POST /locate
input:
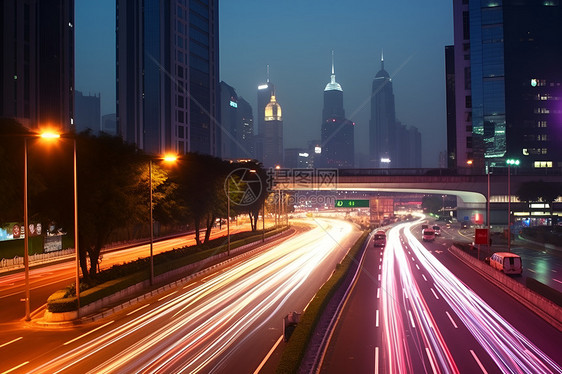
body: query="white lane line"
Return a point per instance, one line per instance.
(413, 259)
(531, 270)
(376, 360)
(380, 266)
(452, 320)
(15, 367)
(424, 278)
(417, 266)
(434, 294)
(379, 276)
(136, 310)
(88, 333)
(478, 362)
(378, 293)
(11, 341)
(554, 279)
(268, 355)
(377, 319)
(412, 319)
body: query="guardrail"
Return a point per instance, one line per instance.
(539, 304)
(7, 264)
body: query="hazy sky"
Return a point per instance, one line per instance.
(296, 38)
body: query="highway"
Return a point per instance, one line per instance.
(416, 308)
(44, 280)
(225, 322)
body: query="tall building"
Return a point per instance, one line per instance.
(408, 142)
(109, 124)
(245, 121)
(87, 112)
(510, 54)
(37, 62)
(382, 125)
(450, 160)
(167, 75)
(337, 133)
(265, 90)
(272, 134)
(237, 125)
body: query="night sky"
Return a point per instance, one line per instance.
(296, 38)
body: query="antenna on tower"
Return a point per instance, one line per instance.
(332, 62)
(267, 73)
(382, 59)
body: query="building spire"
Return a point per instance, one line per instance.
(267, 73)
(382, 59)
(333, 85)
(333, 62)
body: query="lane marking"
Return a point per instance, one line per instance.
(434, 294)
(376, 318)
(376, 360)
(379, 276)
(452, 320)
(88, 333)
(554, 279)
(11, 341)
(412, 319)
(378, 293)
(417, 266)
(267, 355)
(424, 278)
(136, 310)
(15, 367)
(531, 270)
(478, 362)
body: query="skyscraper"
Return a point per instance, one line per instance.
(337, 133)
(272, 135)
(265, 90)
(382, 126)
(87, 112)
(167, 75)
(513, 82)
(236, 124)
(37, 62)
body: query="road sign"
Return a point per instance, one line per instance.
(481, 236)
(352, 204)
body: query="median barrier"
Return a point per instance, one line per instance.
(539, 304)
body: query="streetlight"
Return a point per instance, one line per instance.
(509, 163)
(166, 158)
(26, 219)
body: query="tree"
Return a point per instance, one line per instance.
(200, 180)
(109, 173)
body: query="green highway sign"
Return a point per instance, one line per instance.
(352, 203)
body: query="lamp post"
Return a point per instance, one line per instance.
(76, 235)
(26, 237)
(167, 158)
(509, 162)
(228, 217)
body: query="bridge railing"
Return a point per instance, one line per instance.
(449, 172)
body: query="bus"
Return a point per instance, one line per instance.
(507, 262)
(379, 239)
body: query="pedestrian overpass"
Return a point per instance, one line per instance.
(471, 191)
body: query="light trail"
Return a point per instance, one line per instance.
(509, 349)
(200, 328)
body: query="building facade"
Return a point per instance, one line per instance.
(37, 63)
(167, 75)
(87, 109)
(408, 143)
(337, 133)
(272, 134)
(236, 125)
(507, 54)
(265, 90)
(382, 125)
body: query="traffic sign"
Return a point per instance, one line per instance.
(481, 236)
(352, 204)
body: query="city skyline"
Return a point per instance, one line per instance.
(298, 53)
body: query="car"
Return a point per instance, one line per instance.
(506, 262)
(428, 235)
(437, 230)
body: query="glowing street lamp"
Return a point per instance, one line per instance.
(166, 158)
(45, 135)
(509, 163)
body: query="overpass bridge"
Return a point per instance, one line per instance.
(470, 190)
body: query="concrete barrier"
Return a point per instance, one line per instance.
(546, 309)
